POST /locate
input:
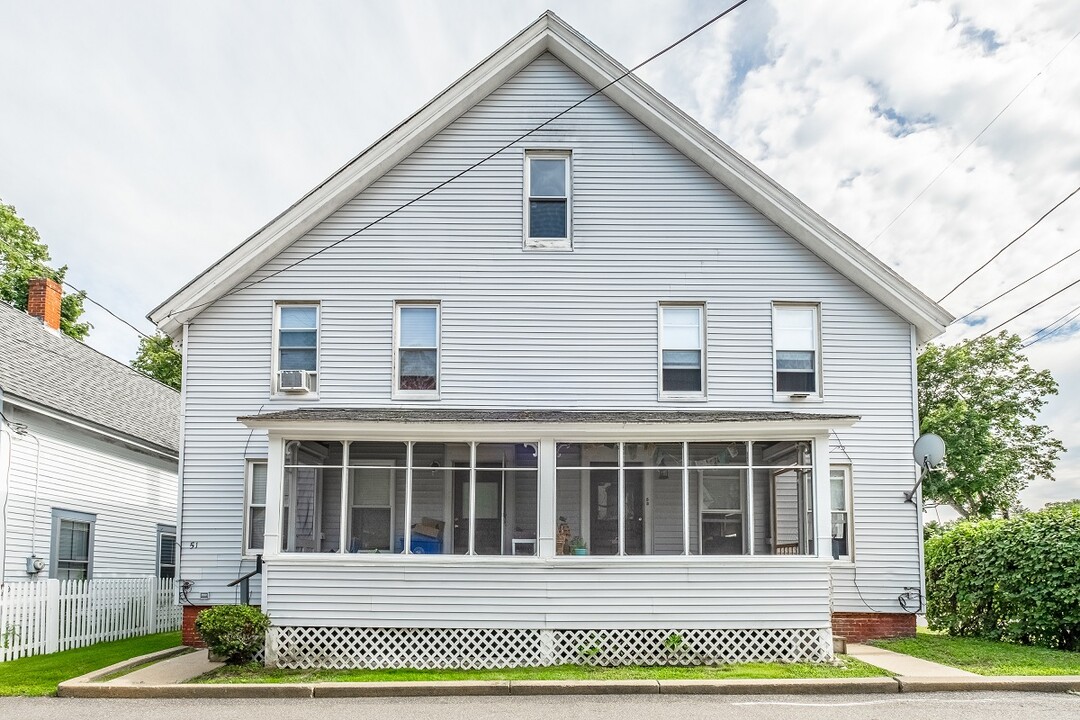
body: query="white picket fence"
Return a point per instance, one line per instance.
(47, 616)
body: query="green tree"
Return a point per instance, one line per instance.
(982, 397)
(158, 358)
(23, 257)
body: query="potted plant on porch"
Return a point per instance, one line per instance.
(578, 546)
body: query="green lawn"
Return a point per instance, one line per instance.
(849, 667)
(40, 674)
(986, 657)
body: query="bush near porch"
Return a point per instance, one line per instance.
(1015, 580)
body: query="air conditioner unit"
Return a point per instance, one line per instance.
(294, 381)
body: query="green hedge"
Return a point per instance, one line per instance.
(1016, 580)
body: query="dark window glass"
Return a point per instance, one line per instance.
(547, 218)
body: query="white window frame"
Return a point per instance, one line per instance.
(398, 393)
(275, 388)
(744, 491)
(351, 505)
(703, 334)
(249, 476)
(164, 531)
(849, 503)
(817, 394)
(59, 515)
(565, 243)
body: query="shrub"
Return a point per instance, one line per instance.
(235, 632)
(1016, 580)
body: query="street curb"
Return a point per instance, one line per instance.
(445, 688)
(95, 675)
(1014, 683)
(584, 687)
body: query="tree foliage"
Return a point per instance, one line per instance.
(23, 256)
(1014, 579)
(982, 397)
(158, 358)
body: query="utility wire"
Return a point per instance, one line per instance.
(1010, 243)
(1022, 282)
(1027, 309)
(477, 164)
(973, 140)
(1040, 335)
(83, 293)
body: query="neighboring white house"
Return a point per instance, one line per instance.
(88, 455)
(615, 333)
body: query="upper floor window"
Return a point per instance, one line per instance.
(547, 191)
(682, 341)
(795, 349)
(416, 350)
(297, 352)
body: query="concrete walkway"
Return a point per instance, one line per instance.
(172, 671)
(904, 665)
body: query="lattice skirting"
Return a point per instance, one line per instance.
(440, 648)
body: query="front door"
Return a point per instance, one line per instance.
(488, 510)
(604, 510)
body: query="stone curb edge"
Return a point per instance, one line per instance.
(84, 687)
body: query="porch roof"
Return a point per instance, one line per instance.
(585, 417)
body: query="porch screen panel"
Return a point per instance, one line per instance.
(655, 472)
(505, 499)
(375, 516)
(440, 475)
(311, 496)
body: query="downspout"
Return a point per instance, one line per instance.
(5, 475)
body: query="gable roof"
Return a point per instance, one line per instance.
(551, 34)
(54, 372)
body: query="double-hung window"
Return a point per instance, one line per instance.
(166, 540)
(72, 545)
(547, 190)
(255, 518)
(416, 351)
(682, 356)
(840, 507)
(795, 349)
(297, 348)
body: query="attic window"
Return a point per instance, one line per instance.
(547, 200)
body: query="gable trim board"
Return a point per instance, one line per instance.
(550, 34)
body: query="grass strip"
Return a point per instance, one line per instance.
(985, 657)
(254, 673)
(40, 674)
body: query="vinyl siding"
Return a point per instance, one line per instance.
(562, 330)
(130, 493)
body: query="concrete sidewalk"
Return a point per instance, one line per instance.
(171, 671)
(905, 665)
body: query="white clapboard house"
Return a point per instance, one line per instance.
(611, 396)
(88, 456)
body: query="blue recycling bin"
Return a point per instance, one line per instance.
(421, 545)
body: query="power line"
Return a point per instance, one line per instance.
(475, 165)
(1027, 309)
(1010, 243)
(973, 140)
(1022, 282)
(82, 293)
(1039, 335)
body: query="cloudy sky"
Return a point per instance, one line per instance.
(145, 139)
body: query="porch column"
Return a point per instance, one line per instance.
(822, 504)
(545, 491)
(275, 480)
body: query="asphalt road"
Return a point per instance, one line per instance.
(939, 706)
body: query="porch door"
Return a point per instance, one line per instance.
(489, 492)
(604, 509)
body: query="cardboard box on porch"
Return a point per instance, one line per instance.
(429, 527)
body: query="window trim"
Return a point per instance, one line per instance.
(703, 335)
(818, 394)
(276, 393)
(163, 531)
(397, 393)
(531, 243)
(849, 501)
(59, 515)
(249, 477)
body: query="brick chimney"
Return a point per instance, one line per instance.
(43, 301)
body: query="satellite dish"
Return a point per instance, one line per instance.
(929, 450)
